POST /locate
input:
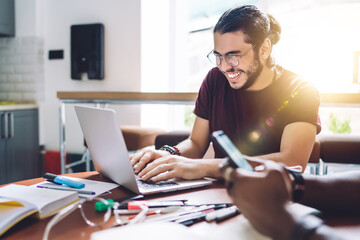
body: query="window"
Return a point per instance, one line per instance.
(203, 15)
(320, 41)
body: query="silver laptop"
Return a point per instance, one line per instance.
(110, 155)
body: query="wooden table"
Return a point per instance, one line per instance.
(74, 227)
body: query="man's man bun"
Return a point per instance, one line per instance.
(275, 30)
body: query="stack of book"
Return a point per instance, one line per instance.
(18, 202)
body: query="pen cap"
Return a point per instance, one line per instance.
(49, 176)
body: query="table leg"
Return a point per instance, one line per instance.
(62, 136)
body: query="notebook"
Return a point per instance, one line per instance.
(110, 155)
(18, 202)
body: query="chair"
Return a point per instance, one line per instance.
(139, 137)
(340, 148)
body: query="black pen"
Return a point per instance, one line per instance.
(69, 189)
(195, 220)
(192, 218)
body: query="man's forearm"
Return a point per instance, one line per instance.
(333, 193)
(188, 148)
(210, 167)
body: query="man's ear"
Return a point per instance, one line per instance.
(265, 49)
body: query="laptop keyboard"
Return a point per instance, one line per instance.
(151, 184)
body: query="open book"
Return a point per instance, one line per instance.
(18, 202)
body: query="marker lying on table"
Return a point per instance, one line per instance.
(197, 216)
(190, 219)
(190, 216)
(62, 180)
(222, 214)
(69, 189)
(157, 211)
(132, 205)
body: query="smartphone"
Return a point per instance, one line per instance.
(235, 157)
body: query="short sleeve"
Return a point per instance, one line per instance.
(203, 102)
(303, 105)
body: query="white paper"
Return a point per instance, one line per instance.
(90, 185)
(141, 231)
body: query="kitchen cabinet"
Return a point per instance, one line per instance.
(19, 145)
(7, 18)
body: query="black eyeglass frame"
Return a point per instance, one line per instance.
(228, 57)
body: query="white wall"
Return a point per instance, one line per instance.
(21, 57)
(122, 59)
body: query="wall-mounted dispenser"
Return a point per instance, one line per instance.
(87, 51)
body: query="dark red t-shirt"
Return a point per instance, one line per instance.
(255, 120)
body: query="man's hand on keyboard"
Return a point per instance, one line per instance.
(175, 167)
(144, 156)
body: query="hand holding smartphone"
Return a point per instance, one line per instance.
(235, 158)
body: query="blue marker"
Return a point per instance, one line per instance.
(61, 180)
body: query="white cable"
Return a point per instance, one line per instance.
(58, 217)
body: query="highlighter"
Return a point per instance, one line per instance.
(61, 180)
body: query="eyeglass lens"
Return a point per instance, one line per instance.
(93, 223)
(112, 208)
(232, 59)
(216, 59)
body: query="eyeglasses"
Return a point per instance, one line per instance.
(91, 218)
(232, 59)
(115, 206)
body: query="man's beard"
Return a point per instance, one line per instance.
(253, 72)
